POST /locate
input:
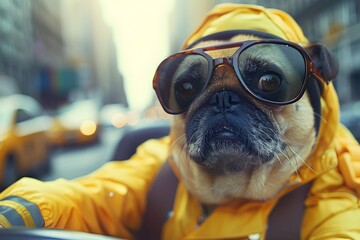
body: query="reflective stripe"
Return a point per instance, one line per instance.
(4, 222)
(29, 211)
(22, 211)
(13, 217)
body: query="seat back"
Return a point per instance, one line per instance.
(135, 136)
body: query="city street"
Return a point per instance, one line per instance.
(72, 162)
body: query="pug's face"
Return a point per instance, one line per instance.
(230, 145)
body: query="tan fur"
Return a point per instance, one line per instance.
(294, 122)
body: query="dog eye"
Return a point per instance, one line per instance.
(269, 82)
(186, 90)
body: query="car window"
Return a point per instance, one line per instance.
(23, 115)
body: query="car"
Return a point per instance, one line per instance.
(24, 148)
(76, 123)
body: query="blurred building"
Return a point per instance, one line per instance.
(31, 45)
(57, 50)
(15, 45)
(47, 46)
(90, 48)
(47, 40)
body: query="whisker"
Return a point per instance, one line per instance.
(301, 159)
(297, 155)
(279, 159)
(292, 164)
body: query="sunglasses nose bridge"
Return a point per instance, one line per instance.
(222, 61)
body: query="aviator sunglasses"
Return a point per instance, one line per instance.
(272, 71)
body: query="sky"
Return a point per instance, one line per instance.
(142, 38)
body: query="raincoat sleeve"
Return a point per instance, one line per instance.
(109, 201)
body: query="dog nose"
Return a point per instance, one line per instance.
(224, 100)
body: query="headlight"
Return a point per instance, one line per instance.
(88, 127)
(119, 120)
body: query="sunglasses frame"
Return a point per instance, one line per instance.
(233, 61)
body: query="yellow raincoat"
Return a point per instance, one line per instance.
(111, 200)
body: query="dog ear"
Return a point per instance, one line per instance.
(324, 64)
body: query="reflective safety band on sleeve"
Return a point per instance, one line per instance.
(20, 212)
(11, 216)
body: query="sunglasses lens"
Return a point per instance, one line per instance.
(180, 79)
(273, 72)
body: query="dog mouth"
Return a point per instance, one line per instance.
(231, 141)
(227, 136)
(224, 131)
(226, 149)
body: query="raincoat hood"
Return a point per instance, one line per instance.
(242, 17)
(227, 17)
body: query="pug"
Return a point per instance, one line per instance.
(244, 119)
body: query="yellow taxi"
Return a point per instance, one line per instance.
(75, 123)
(24, 147)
